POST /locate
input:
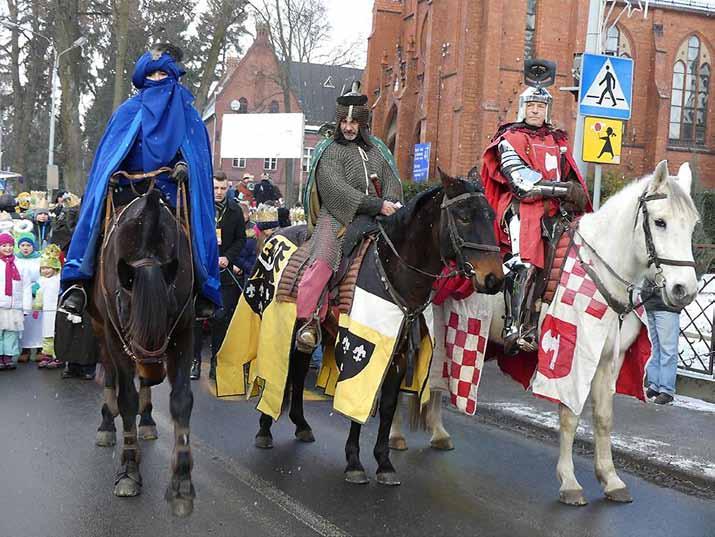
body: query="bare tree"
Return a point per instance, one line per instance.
(298, 30)
(221, 15)
(121, 32)
(67, 32)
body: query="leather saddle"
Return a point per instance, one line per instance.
(341, 288)
(557, 243)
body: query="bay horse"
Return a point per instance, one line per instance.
(658, 206)
(452, 222)
(142, 312)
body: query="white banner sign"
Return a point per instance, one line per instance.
(262, 136)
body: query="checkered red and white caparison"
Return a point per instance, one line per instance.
(575, 281)
(465, 344)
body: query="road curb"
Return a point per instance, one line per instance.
(657, 471)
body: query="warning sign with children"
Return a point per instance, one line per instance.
(602, 140)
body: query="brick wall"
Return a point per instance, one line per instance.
(457, 75)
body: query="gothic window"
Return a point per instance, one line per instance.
(617, 43)
(689, 95)
(244, 105)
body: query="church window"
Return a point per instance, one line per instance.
(689, 94)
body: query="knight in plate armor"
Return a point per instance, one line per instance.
(352, 176)
(529, 174)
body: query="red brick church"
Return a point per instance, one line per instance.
(450, 71)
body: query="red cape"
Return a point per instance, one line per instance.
(500, 196)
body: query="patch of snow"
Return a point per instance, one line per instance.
(691, 403)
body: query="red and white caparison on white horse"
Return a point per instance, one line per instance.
(618, 233)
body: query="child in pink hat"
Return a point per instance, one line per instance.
(14, 300)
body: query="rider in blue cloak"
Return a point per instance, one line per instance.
(156, 128)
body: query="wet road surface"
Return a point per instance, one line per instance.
(55, 482)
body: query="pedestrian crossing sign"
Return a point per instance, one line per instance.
(602, 140)
(606, 86)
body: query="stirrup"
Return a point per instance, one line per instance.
(73, 312)
(308, 336)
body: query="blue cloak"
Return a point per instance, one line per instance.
(162, 116)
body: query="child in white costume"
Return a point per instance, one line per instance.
(15, 299)
(27, 259)
(46, 301)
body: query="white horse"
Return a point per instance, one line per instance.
(618, 234)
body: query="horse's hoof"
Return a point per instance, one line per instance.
(148, 432)
(619, 495)
(264, 442)
(388, 478)
(356, 477)
(398, 443)
(572, 497)
(181, 507)
(106, 438)
(127, 487)
(305, 435)
(442, 444)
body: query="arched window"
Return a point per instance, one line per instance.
(244, 105)
(273, 107)
(617, 44)
(689, 95)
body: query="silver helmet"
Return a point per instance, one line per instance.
(534, 95)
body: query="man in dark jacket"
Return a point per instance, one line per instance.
(231, 236)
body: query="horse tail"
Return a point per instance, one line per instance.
(417, 414)
(148, 318)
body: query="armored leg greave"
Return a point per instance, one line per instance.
(518, 334)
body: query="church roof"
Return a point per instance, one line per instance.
(317, 86)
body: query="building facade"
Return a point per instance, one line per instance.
(449, 72)
(251, 86)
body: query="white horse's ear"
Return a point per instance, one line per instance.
(685, 177)
(660, 176)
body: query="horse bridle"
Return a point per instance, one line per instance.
(653, 259)
(457, 242)
(113, 216)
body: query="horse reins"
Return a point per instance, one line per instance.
(111, 221)
(409, 329)
(456, 241)
(653, 259)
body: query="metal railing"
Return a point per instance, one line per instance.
(696, 345)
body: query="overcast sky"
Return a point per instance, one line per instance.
(350, 18)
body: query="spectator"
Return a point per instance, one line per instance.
(27, 259)
(249, 252)
(266, 191)
(231, 236)
(46, 302)
(14, 301)
(43, 227)
(664, 330)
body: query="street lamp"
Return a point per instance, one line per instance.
(52, 172)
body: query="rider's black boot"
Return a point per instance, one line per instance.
(74, 300)
(517, 335)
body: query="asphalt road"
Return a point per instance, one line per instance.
(54, 482)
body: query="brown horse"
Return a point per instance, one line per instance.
(142, 311)
(449, 223)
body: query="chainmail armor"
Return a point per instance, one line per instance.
(342, 188)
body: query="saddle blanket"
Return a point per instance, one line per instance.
(461, 333)
(577, 325)
(260, 336)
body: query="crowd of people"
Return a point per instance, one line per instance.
(33, 234)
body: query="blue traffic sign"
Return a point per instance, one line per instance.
(606, 86)
(420, 168)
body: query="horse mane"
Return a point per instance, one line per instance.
(403, 217)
